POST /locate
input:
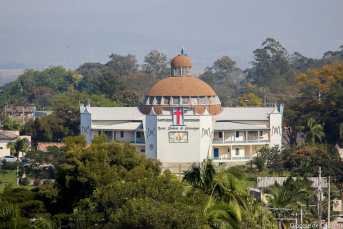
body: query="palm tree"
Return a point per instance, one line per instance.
(224, 185)
(291, 194)
(311, 131)
(221, 215)
(20, 146)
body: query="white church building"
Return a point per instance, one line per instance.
(181, 120)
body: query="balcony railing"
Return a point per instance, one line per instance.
(231, 158)
(137, 142)
(244, 141)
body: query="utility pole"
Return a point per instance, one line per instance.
(301, 212)
(320, 199)
(262, 209)
(23, 116)
(329, 204)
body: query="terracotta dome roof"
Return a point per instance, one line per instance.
(181, 86)
(181, 61)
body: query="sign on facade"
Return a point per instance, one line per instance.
(263, 182)
(337, 205)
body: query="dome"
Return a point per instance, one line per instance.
(188, 91)
(181, 86)
(181, 89)
(181, 61)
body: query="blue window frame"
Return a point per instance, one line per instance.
(261, 133)
(220, 134)
(138, 134)
(121, 134)
(237, 134)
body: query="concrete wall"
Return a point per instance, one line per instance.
(151, 136)
(275, 129)
(86, 125)
(4, 151)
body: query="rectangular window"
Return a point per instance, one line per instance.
(237, 151)
(185, 100)
(138, 134)
(99, 132)
(176, 100)
(237, 134)
(142, 150)
(121, 134)
(166, 100)
(158, 100)
(194, 100)
(228, 150)
(220, 134)
(261, 133)
(151, 100)
(1, 147)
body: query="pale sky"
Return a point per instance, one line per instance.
(72, 32)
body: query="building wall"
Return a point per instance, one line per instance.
(151, 136)
(275, 129)
(86, 125)
(4, 151)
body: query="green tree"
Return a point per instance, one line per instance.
(90, 168)
(156, 64)
(250, 99)
(141, 83)
(129, 98)
(261, 158)
(123, 65)
(312, 131)
(156, 202)
(20, 146)
(108, 83)
(272, 66)
(275, 161)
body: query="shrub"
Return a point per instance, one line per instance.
(47, 182)
(36, 182)
(24, 181)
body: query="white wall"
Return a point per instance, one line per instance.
(86, 125)
(275, 129)
(151, 136)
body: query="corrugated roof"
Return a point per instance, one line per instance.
(237, 126)
(116, 113)
(121, 126)
(8, 135)
(244, 113)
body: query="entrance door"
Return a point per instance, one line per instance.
(215, 153)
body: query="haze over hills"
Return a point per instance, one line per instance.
(38, 33)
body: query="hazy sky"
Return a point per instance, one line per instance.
(71, 32)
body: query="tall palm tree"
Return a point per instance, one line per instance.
(312, 131)
(20, 146)
(225, 188)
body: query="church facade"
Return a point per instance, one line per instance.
(181, 120)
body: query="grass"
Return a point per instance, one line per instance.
(9, 178)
